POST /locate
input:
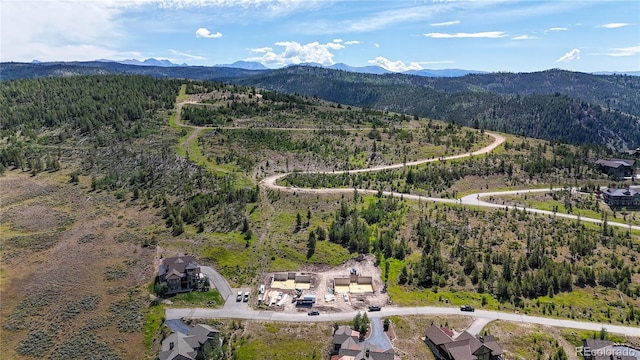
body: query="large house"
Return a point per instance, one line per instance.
(463, 347)
(633, 152)
(596, 349)
(346, 346)
(618, 168)
(179, 346)
(619, 198)
(180, 273)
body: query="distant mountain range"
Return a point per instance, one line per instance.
(376, 70)
(254, 65)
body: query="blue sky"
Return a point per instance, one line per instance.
(514, 36)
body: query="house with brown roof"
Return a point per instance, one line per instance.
(180, 273)
(346, 346)
(179, 346)
(617, 168)
(463, 347)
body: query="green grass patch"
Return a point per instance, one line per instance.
(575, 336)
(235, 261)
(210, 298)
(281, 341)
(330, 253)
(182, 94)
(154, 319)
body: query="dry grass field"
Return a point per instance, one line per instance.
(73, 270)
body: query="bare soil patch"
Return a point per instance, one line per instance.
(322, 281)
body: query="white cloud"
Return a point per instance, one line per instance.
(570, 56)
(59, 30)
(262, 49)
(352, 42)
(626, 51)
(383, 19)
(376, 45)
(86, 30)
(486, 34)
(558, 29)
(187, 55)
(296, 53)
(446, 23)
(395, 66)
(205, 33)
(524, 37)
(614, 25)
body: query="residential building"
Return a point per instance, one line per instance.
(346, 346)
(463, 347)
(180, 273)
(596, 349)
(179, 346)
(619, 198)
(618, 168)
(633, 152)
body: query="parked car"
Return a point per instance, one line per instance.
(374, 308)
(313, 313)
(246, 296)
(467, 308)
(239, 297)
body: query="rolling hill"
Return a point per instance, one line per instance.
(551, 105)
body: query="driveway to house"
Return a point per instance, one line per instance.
(178, 326)
(217, 281)
(378, 337)
(249, 314)
(477, 325)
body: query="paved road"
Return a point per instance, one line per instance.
(217, 281)
(249, 314)
(476, 199)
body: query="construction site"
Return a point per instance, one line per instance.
(353, 285)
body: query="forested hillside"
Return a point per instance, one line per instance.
(545, 116)
(551, 105)
(100, 169)
(14, 71)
